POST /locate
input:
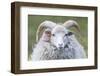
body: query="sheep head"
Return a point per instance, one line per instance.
(57, 34)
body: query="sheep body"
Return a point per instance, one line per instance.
(47, 47)
(45, 51)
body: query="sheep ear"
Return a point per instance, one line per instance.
(71, 23)
(44, 25)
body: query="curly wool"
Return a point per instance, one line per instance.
(46, 51)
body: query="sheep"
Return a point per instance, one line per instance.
(57, 42)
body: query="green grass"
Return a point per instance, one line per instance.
(35, 20)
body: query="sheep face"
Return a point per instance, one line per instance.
(60, 37)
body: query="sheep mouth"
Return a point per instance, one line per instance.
(60, 48)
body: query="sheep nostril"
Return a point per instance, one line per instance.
(60, 45)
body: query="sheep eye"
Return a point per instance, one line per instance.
(70, 33)
(47, 32)
(53, 34)
(66, 34)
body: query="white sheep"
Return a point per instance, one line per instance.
(57, 42)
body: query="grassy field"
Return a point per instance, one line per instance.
(35, 20)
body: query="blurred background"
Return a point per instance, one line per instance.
(35, 20)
